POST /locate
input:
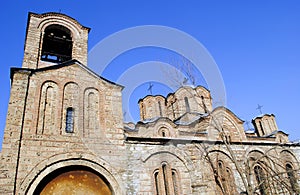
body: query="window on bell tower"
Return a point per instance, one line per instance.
(57, 44)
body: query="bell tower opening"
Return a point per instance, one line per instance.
(57, 44)
(54, 38)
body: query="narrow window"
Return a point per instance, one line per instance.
(164, 132)
(173, 111)
(165, 176)
(203, 104)
(222, 177)
(47, 119)
(230, 181)
(156, 177)
(225, 180)
(187, 105)
(261, 127)
(159, 107)
(142, 110)
(91, 110)
(227, 138)
(260, 179)
(166, 181)
(292, 178)
(174, 179)
(70, 120)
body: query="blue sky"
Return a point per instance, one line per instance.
(256, 45)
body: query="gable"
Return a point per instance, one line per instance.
(228, 123)
(71, 70)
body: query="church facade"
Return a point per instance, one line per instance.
(65, 132)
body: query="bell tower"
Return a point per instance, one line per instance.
(54, 38)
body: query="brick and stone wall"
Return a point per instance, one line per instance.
(182, 146)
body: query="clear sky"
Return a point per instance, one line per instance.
(256, 45)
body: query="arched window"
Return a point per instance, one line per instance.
(187, 105)
(70, 120)
(48, 108)
(292, 179)
(225, 179)
(164, 132)
(175, 182)
(91, 113)
(203, 104)
(166, 181)
(71, 106)
(47, 118)
(222, 177)
(159, 107)
(230, 181)
(165, 178)
(57, 44)
(91, 110)
(157, 184)
(260, 179)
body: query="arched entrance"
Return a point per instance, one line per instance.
(74, 180)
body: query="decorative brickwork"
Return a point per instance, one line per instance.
(64, 121)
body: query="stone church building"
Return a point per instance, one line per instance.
(65, 133)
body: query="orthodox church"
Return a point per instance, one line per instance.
(65, 132)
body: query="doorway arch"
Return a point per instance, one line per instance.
(98, 166)
(74, 180)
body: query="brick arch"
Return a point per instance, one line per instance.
(289, 153)
(288, 156)
(262, 169)
(176, 162)
(221, 151)
(48, 108)
(225, 178)
(265, 157)
(223, 155)
(255, 153)
(91, 113)
(290, 166)
(71, 99)
(180, 155)
(74, 178)
(226, 118)
(252, 150)
(58, 15)
(66, 22)
(168, 127)
(47, 166)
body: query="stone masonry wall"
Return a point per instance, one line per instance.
(12, 133)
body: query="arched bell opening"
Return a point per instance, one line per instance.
(57, 44)
(74, 180)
